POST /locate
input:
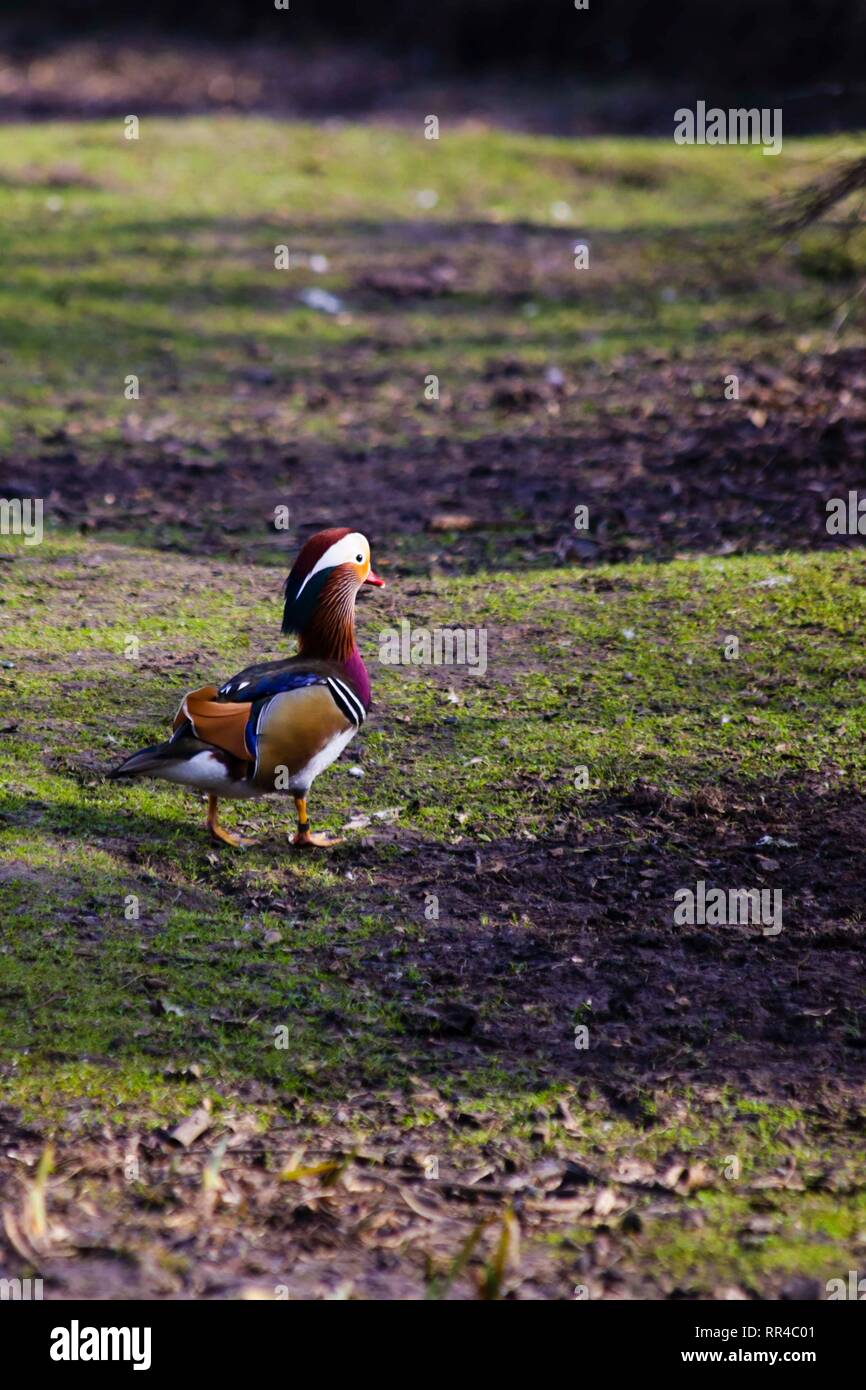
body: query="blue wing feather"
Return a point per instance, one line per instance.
(240, 688)
(259, 688)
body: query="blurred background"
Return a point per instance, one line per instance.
(616, 65)
(410, 257)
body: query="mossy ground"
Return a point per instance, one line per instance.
(710, 1137)
(620, 670)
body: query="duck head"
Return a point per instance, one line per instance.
(321, 592)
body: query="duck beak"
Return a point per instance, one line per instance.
(373, 578)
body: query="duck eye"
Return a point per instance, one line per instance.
(360, 559)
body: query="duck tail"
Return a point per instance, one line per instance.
(145, 760)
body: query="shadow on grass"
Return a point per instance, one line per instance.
(663, 465)
(534, 942)
(713, 486)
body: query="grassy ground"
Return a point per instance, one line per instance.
(156, 257)
(379, 1043)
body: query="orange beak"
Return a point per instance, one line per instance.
(373, 578)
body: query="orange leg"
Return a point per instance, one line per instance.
(303, 837)
(224, 837)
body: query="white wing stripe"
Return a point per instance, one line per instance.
(347, 700)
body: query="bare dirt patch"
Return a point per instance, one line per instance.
(658, 478)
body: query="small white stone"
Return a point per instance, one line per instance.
(321, 300)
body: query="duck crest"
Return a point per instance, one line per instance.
(320, 601)
(309, 586)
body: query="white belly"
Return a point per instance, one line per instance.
(207, 773)
(303, 780)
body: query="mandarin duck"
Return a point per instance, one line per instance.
(275, 726)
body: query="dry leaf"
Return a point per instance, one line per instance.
(192, 1128)
(451, 521)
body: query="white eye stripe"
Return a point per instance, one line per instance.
(346, 551)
